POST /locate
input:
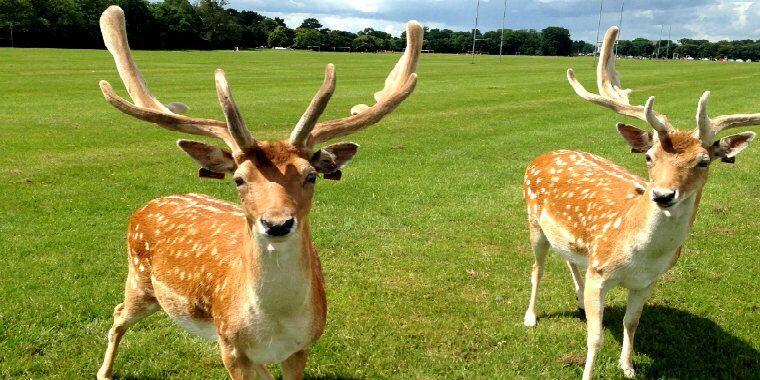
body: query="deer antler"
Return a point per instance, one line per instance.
(398, 86)
(302, 130)
(146, 107)
(708, 128)
(612, 95)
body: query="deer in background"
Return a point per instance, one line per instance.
(623, 229)
(246, 275)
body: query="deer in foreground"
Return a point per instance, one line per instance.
(246, 275)
(623, 229)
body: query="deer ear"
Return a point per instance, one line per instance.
(728, 147)
(214, 161)
(640, 141)
(330, 159)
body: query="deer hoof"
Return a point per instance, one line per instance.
(530, 319)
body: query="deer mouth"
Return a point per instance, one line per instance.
(666, 204)
(279, 231)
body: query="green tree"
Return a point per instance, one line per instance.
(642, 47)
(398, 44)
(281, 36)
(461, 42)
(310, 23)
(556, 41)
(307, 37)
(181, 24)
(583, 47)
(381, 39)
(339, 39)
(58, 23)
(366, 43)
(142, 25)
(19, 12)
(531, 42)
(218, 28)
(439, 40)
(270, 24)
(252, 31)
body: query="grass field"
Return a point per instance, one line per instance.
(424, 243)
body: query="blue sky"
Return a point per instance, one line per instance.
(704, 19)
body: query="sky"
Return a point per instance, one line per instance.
(713, 20)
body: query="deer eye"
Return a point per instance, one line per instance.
(703, 163)
(648, 158)
(311, 177)
(239, 181)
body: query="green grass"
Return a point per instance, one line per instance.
(424, 243)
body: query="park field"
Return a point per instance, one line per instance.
(424, 242)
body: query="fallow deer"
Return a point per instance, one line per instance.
(623, 229)
(246, 275)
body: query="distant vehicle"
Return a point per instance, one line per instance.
(739, 60)
(689, 58)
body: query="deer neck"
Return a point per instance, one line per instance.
(279, 271)
(661, 230)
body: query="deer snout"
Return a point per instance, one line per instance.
(277, 226)
(664, 197)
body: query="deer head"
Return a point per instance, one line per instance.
(677, 161)
(275, 180)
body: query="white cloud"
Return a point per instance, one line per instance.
(741, 8)
(644, 14)
(354, 24)
(706, 19)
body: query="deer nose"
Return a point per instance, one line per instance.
(278, 228)
(664, 197)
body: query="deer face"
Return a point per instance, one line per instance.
(677, 168)
(275, 181)
(678, 162)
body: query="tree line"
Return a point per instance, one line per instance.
(697, 49)
(210, 24)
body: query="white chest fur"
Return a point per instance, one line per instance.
(279, 304)
(653, 249)
(278, 338)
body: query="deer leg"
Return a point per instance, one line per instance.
(293, 367)
(578, 284)
(239, 365)
(540, 248)
(636, 300)
(594, 293)
(263, 372)
(137, 305)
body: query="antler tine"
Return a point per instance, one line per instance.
(607, 78)
(113, 28)
(398, 86)
(651, 118)
(611, 94)
(146, 107)
(235, 122)
(721, 123)
(302, 130)
(704, 129)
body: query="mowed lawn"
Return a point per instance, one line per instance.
(424, 242)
